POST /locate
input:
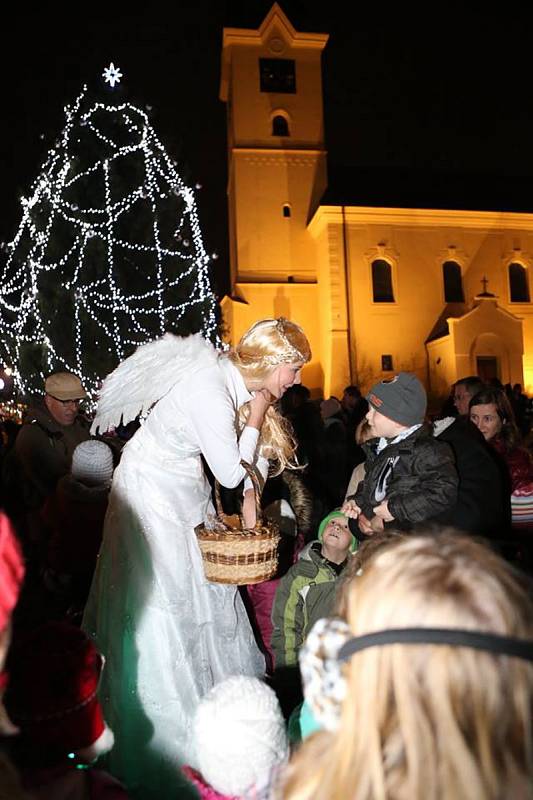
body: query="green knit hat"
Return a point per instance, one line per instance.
(324, 523)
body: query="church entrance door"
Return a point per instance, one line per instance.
(487, 367)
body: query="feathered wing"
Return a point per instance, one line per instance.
(146, 376)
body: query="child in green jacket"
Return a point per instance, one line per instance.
(306, 592)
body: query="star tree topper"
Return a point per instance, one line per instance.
(112, 75)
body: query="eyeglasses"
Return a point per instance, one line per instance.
(75, 403)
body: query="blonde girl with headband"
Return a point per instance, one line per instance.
(167, 634)
(425, 690)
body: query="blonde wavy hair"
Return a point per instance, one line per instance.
(428, 722)
(264, 347)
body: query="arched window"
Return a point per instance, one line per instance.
(280, 126)
(518, 283)
(382, 281)
(286, 210)
(453, 283)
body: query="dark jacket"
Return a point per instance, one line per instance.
(42, 454)
(518, 462)
(419, 476)
(483, 505)
(74, 515)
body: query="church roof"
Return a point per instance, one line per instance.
(395, 187)
(441, 327)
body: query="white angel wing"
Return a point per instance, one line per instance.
(146, 376)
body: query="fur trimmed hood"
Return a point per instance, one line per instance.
(300, 499)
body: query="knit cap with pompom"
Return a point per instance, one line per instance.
(92, 463)
(239, 735)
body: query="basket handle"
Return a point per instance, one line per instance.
(257, 495)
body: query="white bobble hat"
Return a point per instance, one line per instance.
(92, 463)
(239, 734)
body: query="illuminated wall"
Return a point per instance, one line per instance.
(416, 243)
(298, 302)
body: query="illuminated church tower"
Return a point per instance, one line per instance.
(272, 85)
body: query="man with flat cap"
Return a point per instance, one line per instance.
(50, 432)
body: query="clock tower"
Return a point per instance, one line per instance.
(272, 86)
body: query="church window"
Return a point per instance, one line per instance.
(277, 75)
(518, 283)
(280, 126)
(382, 281)
(453, 282)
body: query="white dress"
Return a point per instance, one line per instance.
(166, 633)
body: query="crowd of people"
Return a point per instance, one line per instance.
(391, 656)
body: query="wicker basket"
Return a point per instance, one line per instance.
(238, 555)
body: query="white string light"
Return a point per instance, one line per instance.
(60, 229)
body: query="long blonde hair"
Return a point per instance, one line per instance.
(428, 722)
(265, 346)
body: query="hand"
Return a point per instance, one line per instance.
(376, 523)
(351, 509)
(365, 526)
(258, 406)
(248, 509)
(382, 511)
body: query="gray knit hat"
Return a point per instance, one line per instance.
(401, 398)
(92, 463)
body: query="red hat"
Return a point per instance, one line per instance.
(54, 675)
(11, 570)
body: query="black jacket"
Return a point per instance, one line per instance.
(419, 476)
(41, 455)
(483, 503)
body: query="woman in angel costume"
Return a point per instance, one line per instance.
(167, 634)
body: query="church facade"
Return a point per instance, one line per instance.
(442, 293)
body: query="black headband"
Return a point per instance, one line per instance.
(491, 642)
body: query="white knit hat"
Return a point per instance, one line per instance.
(239, 735)
(92, 463)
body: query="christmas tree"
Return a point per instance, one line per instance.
(108, 254)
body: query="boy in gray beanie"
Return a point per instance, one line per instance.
(410, 477)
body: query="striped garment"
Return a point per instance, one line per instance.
(522, 508)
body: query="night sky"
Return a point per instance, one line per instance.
(440, 103)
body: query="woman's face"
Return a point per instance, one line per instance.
(282, 378)
(485, 417)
